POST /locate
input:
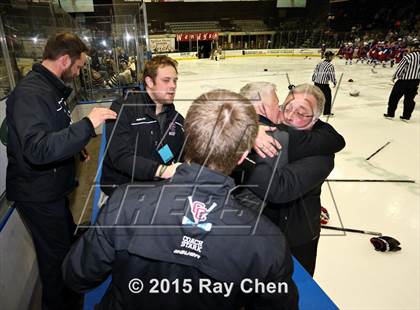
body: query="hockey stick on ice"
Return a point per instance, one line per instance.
(365, 232)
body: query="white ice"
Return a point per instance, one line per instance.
(348, 268)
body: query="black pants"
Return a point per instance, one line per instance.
(408, 89)
(306, 255)
(326, 90)
(52, 227)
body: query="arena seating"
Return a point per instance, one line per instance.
(207, 26)
(250, 25)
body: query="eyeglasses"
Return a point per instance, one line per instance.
(289, 110)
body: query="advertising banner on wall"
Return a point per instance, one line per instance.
(162, 45)
(200, 36)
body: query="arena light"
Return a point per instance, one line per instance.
(103, 43)
(35, 39)
(128, 37)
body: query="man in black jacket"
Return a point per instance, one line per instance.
(189, 244)
(145, 141)
(42, 142)
(305, 161)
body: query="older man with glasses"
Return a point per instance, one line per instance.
(290, 183)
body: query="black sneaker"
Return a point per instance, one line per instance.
(388, 116)
(404, 119)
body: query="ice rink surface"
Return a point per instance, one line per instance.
(348, 268)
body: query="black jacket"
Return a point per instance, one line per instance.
(288, 186)
(134, 139)
(299, 217)
(145, 231)
(42, 141)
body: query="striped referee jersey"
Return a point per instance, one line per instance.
(324, 72)
(409, 67)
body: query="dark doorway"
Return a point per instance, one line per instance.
(204, 49)
(184, 47)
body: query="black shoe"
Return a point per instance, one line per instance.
(404, 119)
(388, 116)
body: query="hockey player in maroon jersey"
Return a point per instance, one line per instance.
(362, 52)
(348, 53)
(340, 52)
(373, 54)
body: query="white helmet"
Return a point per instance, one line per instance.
(354, 93)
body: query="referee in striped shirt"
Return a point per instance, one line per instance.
(408, 77)
(323, 74)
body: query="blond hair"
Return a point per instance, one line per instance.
(219, 127)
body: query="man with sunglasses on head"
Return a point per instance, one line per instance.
(290, 183)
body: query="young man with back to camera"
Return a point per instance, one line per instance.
(189, 230)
